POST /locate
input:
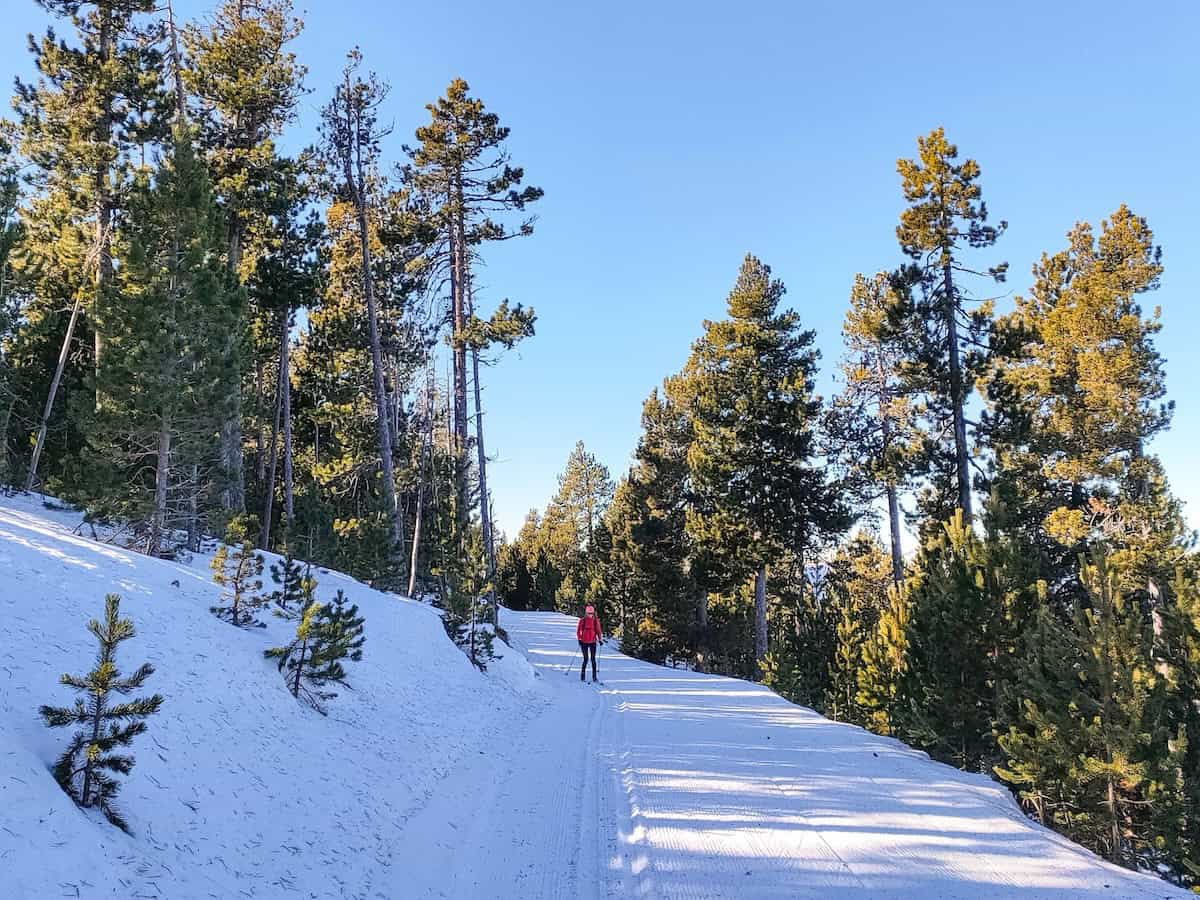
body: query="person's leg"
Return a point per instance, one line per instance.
(593, 649)
(583, 668)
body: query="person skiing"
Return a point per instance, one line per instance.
(589, 633)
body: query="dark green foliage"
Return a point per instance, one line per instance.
(326, 635)
(237, 568)
(748, 392)
(464, 603)
(87, 767)
(1090, 749)
(967, 601)
(561, 552)
(297, 586)
(162, 373)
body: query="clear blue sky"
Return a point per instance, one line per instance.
(673, 137)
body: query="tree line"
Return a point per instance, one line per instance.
(199, 331)
(1046, 628)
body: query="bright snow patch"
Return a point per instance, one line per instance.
(430, 779)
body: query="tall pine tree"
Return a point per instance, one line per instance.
(943, 333)
(749, 394)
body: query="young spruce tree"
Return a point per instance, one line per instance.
(237, 568)
(85, 770)
(326, 635)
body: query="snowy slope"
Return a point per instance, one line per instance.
(430, 780)
(238, 789)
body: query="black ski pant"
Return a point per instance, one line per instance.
(588, 649)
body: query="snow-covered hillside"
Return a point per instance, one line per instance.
(430, 779)
(239, 790)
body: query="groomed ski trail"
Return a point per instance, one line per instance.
(670, 785)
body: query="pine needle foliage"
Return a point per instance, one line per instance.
(297, 586)
(87, 767)
(326, 635)
(237, 568)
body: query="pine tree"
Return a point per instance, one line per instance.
(855, 589)
(1042, 741)
(237, 568)
(94, 106)
(652, 575)
(884, 663)
(749, 393)
(944, 337)
(968, 601)
(1075, 398)
(1090, 744)
(246, 85)
(352, 135)
(1177, 660)
(464, 172)
(296, 588)
(568, 531)
(11, 234)
(167, 316)
(84, 769)
(285, 280)
(326, 635)
(871, 423)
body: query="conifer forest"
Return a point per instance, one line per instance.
(969, 544)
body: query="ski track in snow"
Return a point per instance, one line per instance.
(712, 789)
(431, 780)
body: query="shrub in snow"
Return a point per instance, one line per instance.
(326, 634)
(296, 586)
(238, 569)
(83, 769)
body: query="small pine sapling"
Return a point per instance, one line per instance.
(238, 569)
(83, 769)
(297, 586)
(326, 635)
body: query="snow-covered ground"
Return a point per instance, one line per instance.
(429, 779)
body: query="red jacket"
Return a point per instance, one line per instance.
(588, 630)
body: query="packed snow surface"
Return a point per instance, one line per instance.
(430, 779)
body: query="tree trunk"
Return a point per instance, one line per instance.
(260, 462)
(104, 204)
(422, 463)
(458, 291)
(894, 528)
(193, 523)
(957, 394)
(416, 538)
(5, 422)
(162, 476)
(63, 355)
(485, 517)
(286, 385)
(264, 535)
(760, 618)
(233, 487)
(1114, 853)
(85, 794)
(383, 423)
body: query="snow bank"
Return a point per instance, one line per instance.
(239, 789)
